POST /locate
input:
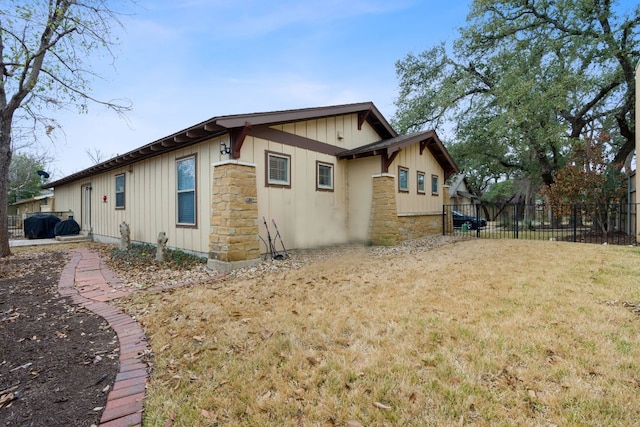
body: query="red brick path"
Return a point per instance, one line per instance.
(89, 283)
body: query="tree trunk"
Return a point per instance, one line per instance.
(5, 161)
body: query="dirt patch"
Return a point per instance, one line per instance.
(57, 360)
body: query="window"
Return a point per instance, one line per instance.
(403, 179)
(120, 191)
(421, 183)
(186, 185)
(278, 170)
(434, 185)
(324, 176)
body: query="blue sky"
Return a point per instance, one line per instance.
(182, 62)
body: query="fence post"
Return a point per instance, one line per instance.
(515, 220)
(575, 223)
(478, 220)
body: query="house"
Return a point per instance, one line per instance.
(39, 204)
(326, 176)
(459, 193)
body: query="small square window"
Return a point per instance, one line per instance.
(434, 185)
(278, 170)
(403, 179)
(324, 174)
(421, 183)
(120, 191)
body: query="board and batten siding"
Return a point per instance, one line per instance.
(150, 199)
(305, 217)
(411, 202)
(341, 131)
(360, 191)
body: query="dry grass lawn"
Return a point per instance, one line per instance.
(480, 332)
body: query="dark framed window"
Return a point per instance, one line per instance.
(120, 193)
(324, 176)
(186, 190)
(403, 179)
(421, 184)
(278, 170)
(434, 185)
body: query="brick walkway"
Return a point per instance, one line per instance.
(89, 283)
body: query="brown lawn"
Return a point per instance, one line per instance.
(480, 332)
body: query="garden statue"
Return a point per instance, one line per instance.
(125, 237)
(162, 243)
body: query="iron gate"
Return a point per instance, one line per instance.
(587, 223)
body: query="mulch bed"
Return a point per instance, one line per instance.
(57, 360)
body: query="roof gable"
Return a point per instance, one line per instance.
(389, 148)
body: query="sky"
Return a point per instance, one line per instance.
(183, 62)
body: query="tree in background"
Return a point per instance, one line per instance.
(24, 180)
(523, 82)
(588, 176)
(45, 46)
(590, 180)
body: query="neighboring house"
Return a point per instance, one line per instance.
(327, 176)
(37, 204)
(459, 194)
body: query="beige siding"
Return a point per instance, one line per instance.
(412, 202)
(150, 199)
(328, 131)
(305, 217)
(360, 189)
(68, 199)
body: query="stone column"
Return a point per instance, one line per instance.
(233, 236)
(384, 225)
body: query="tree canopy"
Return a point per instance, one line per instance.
(523, 81)
(46, 48)
(24, 180)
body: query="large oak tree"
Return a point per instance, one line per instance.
(46, 49)
(523, 81)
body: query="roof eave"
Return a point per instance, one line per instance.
(217, 126)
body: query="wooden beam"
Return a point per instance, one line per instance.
(362, 117)
(423, 145)
(237, 136)
(387, 160)
(182, 138)
(267, 133)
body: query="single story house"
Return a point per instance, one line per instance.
(37, 204)
(326, 176)
(459, 193)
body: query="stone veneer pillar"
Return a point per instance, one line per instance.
(384, 225)
(233, 235)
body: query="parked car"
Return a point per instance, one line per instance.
(472, 222)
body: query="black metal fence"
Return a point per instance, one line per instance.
(612, 223)
(15, 226)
